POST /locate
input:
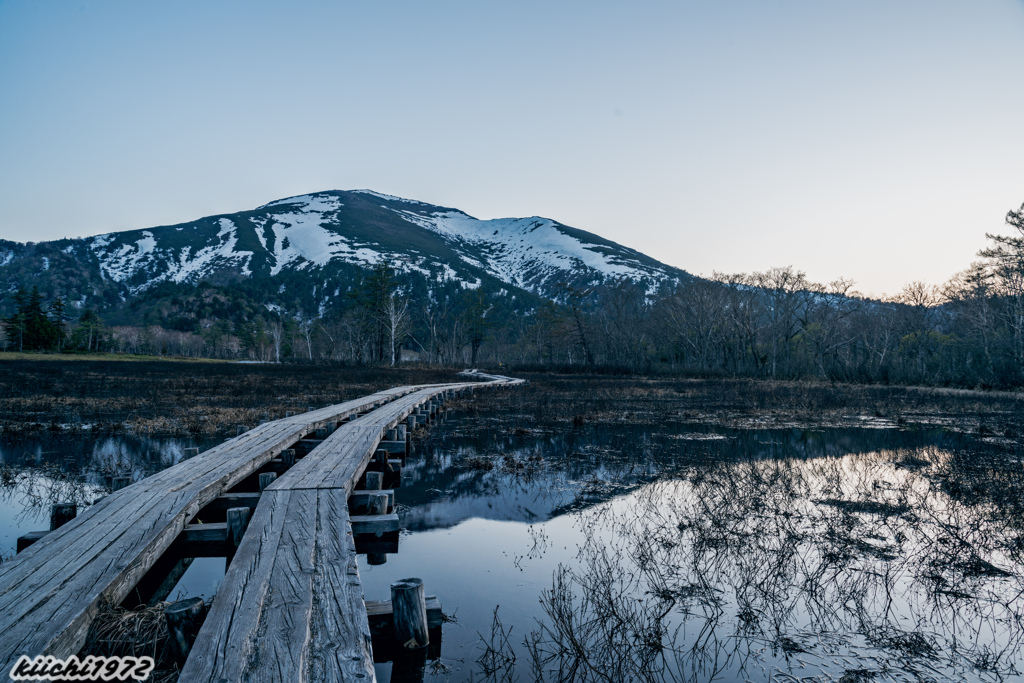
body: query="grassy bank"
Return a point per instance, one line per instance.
(755, 403)
(105, 357)
(168, 397)
(207, 398)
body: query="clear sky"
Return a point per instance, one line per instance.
(877, 139)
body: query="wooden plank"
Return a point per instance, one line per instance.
(50, 592)
(290, 607)
(379, 614)
(357, 500)
(342, 458)
(226, 501)
(393, 446)
(214, 532)
(374, 524)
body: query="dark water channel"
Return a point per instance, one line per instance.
(676, 552)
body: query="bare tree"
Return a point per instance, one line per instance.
(395, 318)
(276, 330)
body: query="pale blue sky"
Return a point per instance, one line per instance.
(877, 139)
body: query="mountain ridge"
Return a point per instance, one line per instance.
(327, 239)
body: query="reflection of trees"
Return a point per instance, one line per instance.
(32, 489)
(857, 565)
(37, 473)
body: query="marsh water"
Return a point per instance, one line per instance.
(673, 552)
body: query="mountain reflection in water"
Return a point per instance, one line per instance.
(682, 552)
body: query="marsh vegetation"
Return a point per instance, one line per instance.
(616, 529)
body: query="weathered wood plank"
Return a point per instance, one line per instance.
(379, 614)
(374, 524)
(291, 604)
(51, 591)
(340, 460)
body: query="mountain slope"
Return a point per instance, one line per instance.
(322, 242)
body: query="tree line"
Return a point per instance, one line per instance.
(37, 326)
(772, 324)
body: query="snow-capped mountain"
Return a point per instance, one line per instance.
(326, 239)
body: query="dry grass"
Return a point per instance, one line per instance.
(580, 399)
(164, 397)
(116, 632)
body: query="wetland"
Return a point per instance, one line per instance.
(616, 529)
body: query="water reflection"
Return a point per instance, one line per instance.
(684, 553)
(696, 555)
(40, 470)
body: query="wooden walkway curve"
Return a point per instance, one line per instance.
(290, 606)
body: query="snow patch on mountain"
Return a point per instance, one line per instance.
(312, 203)
(314, 232)
(389, 197)
(303, 234)
(123, 262)
(192, 266)
(523, 251)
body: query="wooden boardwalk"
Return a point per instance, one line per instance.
(290, 606)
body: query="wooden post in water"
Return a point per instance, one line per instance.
(241, 429)
(377, 504)
(376, 559)
(391, 435)
(374, 481)
(237, 521)
(189, 453)
(321, 433)
(266, 479)
(288, 457)
(183, 621)
(409, 605)
(61, 514)
(411, 421)
(118, 483)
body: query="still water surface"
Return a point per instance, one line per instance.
(679, 552)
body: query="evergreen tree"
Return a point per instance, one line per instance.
(40, 333)
(58, 314)
(477, 324)
(16, 322)
(373, 298)
(89, 330)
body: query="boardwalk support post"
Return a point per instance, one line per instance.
(61, 514)
(237, 521)
(183, 621)
(374, 481)
(288, 457)
(118, 483)
(266, 479)
(409, 605)
(377, 504)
